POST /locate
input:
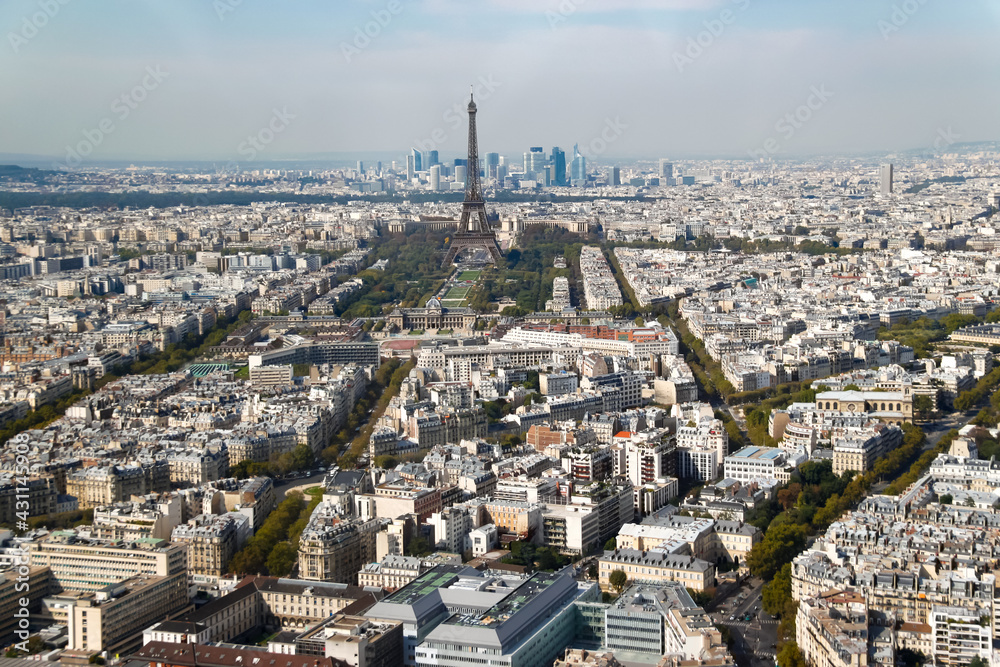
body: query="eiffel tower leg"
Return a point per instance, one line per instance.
(449, 258)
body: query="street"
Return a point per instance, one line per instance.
(754, 641)
(283, 486)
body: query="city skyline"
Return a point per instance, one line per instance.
(194, 81)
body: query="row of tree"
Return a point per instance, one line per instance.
(273, 549)
(812, 500)
(386, 383)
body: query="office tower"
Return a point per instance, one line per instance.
(410, 167)
(418, 163)
(559, 166)
(361, 168)
(436, 177)
(474, 230)
(666, 169)
(579, 166)
(492, 163)
(536, 160)
(526, 162)
(430, 159)
(615, 177)
(378, 167)
(461, 174)
(885, 174)
(461, 162)
(547, 175)
(395, 166)
(501, 172)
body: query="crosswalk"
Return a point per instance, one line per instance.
(740, 623)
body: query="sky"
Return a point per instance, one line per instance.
(249, 80)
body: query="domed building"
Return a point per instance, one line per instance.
(432, 316)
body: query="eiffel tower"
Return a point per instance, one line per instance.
(473, 229)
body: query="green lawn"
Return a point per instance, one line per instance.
(469, 275)
(457, 303)
(457, 293)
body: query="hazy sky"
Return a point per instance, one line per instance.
(642, 78)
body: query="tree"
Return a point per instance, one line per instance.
(387, 461)
(700, 598)
(618, 580)
(910, 658)
(35, 644)
(592, 571)
(611, 544)
(788, 496)
(777, 591)
(780, 545)
(923, 406)
(791, 656)
(282, 559)
(419, 546)
(978, 662)
(946, 499)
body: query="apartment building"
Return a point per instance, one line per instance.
(212, 541)
(832, 630)
(85, 565)
(334, 548)
(859, 450)
(656, 566)
(113, 618)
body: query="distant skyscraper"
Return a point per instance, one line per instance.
(436, 177)
(579, 167)
(547, 175)
(461, 162)
(430, 159)
(492, 163)
(418, 163)
(885, 174)
(461, 173)
(526, 164)
(410, 167)
(536, 160)
(558, 166)
(615, 178)
(361, 167)
(666, 170)
(378, 167)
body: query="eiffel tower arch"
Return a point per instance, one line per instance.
(473, 228)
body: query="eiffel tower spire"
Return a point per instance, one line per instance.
(473, 228)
